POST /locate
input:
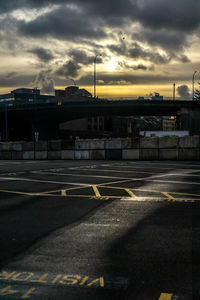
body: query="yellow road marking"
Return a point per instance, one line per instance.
(27, 295)
(96, 191)
(130, 193)
(168, 195)
(165, 296)
(63, 193)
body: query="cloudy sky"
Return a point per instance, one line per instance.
(143, 46)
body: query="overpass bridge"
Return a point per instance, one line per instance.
(49, 114)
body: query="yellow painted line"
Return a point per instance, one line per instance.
(63, 193)
(165, 296)
(130, 193)
(96, 191)
(167, 195)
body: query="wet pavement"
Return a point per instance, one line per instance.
(99, 230)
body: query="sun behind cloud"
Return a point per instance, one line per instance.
(111, 65)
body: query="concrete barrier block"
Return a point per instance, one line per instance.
(130, 154)
(97, 154)
(113, 144)
(16, 155)
(168, 154)
(5, 146)
(68, 145)
(54, 145)
(168, 142)
(40, 155)
(148, 154)
(114, 154)
(131, 143)
(149, 142)
(17, 147)
(7, 155)
(28, 146)
(97, 144)
(41, 146)
(28, 155)
(54, 155)
(189, 154)
(189, 142)
(82, 154)
(82, 144)
(67, 154)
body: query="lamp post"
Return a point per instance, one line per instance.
(95, 76)
(193, 85)
(6, 120)
(174, 91)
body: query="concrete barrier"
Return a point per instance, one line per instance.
(54, 145)
(41, 146)
(167, 142)
(28, 146)
(130, 154)
(97, 144)
(148, 154)
(82, 144)
(113, 144)
(189, 142)
(6, 155)
(97, 154)
(113, 154)
(28, 155)
(54, 155)
(147, 148)
(17, 155)
(5, 146)
(40, 155)
(67, 154)
(82, 154)
(149, 142)
(17, 147)
(189, 154)
(67, 144)
(168, 154)
(130, 143)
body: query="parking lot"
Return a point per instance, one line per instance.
(99, 230)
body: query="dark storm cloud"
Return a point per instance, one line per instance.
(80, 56)
(166, 39)
(44, 55)
(173, 14)
(69, 69)
(61, 23)
(137, 51)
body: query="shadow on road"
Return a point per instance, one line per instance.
(157, 254)
(35, 217)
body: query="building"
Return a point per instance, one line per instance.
(72, 92)
(157, 97)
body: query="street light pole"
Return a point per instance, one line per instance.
(6, 120)
(95, 60)
(193, 85)
(95, 75)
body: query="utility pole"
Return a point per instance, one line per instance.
(174, 91)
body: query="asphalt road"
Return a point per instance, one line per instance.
(88, 230)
